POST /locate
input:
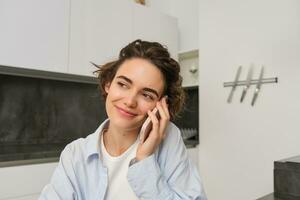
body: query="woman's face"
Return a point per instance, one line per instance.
(135, 89)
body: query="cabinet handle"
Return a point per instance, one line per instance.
(193, 70)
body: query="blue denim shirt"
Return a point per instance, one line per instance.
(168, 174)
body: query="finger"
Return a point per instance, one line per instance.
(163, 121)
(155, 123)
(165, 106)
(161, 111)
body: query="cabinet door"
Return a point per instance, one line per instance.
(151, 25)
(99, 29)
(189, 68)
(27, 197)
(34, 34)
(24, 182)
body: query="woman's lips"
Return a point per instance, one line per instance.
(125, 112)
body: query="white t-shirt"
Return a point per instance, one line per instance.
(117, 166)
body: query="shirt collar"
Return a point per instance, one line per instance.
(93, 140)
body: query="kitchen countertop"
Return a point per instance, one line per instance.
(12, 155)
(25, 154)
(269, 197)
(28, 162)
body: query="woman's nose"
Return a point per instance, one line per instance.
(131, 101)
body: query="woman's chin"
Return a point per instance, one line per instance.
(126, 124)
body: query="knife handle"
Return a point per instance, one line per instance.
(243, 94)
(230, 96)
(254, 97)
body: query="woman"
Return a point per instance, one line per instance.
(113, 163)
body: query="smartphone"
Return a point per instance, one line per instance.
(147, 126)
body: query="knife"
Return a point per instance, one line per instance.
(234, 84)
(258, 86)
(248, 82)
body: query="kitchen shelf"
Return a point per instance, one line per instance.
(188, 54)
(191, 143)
(33, 73)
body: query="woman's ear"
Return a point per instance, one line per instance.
(107, 86)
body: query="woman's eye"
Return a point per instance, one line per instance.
(123, 85)
(148, 97)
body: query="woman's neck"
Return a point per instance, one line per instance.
(117, 141)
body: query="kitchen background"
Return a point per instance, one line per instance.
(238, 142)
(45, 54)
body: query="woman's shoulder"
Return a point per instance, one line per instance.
(80, 148)
(172, 132)
(172, 149)
(172, 138)
(86, 146)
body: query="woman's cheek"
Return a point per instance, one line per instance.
(145, 106)
(117, 93)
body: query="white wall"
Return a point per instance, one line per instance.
(187, 14)
(238, 142)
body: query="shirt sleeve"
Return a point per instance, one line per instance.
(61, 186)
(170, 175)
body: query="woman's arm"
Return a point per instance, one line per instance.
(168, 174)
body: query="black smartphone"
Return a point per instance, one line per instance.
(147, 126)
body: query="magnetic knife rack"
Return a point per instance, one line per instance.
(247, 83)
(253, 82)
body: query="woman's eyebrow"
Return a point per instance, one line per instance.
(152, 91)
(125, 78)
(145, 89)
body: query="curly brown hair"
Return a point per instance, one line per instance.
(158, 55)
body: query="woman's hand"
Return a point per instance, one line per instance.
(157, 133)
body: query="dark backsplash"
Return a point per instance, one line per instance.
(39, 111)
(189, 117)
(38, 117)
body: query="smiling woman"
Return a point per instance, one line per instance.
(132, 96)
(113, 163)
(151, 53)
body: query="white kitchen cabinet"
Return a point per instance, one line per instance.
(26, 197)
(24, 182)
(65, 35)
(149, 24)
(99, 29)
(189, 70)
(34, 34)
